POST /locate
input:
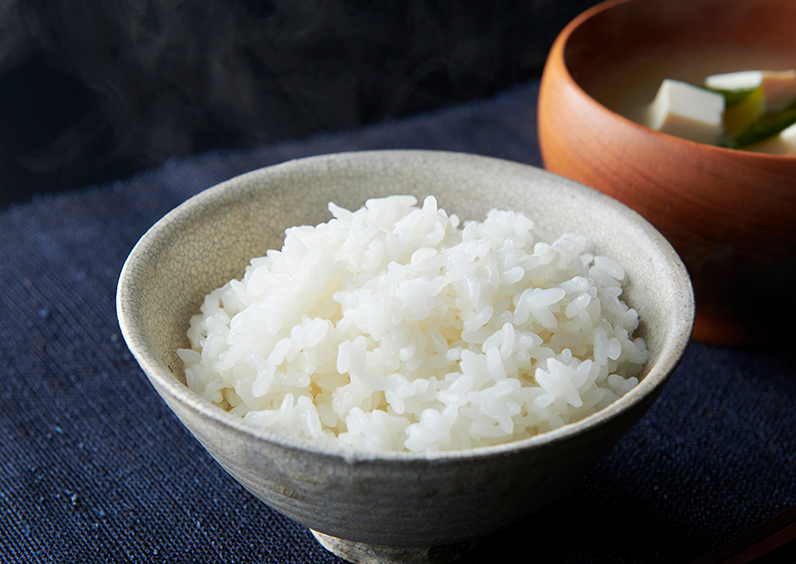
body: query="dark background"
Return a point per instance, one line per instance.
(95, 90)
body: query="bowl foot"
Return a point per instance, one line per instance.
(363, 553)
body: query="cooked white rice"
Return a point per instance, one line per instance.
(393, 328)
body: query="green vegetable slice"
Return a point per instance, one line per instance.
(764, 127)
(731, 97)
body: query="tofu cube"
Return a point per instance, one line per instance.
(687, 111)
(778, 87)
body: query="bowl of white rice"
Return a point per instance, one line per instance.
(405, 350)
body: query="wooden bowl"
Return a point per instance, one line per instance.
(730, 214)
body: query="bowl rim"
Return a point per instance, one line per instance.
(558, 51)
(671, 353)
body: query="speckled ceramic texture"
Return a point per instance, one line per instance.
(393, 499)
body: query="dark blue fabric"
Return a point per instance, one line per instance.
(95, 468)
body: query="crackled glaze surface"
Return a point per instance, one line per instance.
(395, 499)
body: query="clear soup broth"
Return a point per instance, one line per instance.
(629, 94)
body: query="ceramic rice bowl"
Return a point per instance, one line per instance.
(369, 506)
